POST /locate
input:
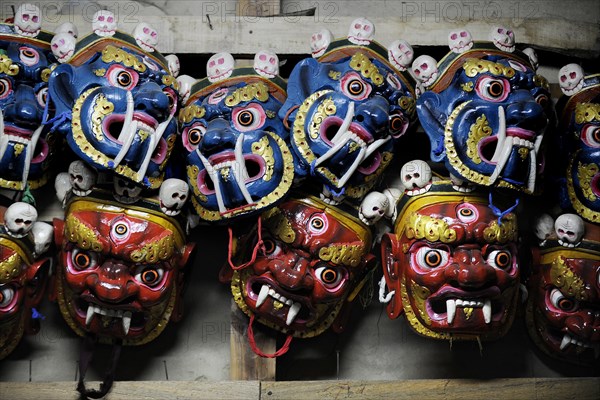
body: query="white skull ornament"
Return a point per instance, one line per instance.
(570, 78)
(28, 20)
(400, 54)
(361, 32)
(425, 69)
(19, 219)
(373, 207)
(219, 66)
(544, 226)
(569, 229)
(62, 186)
(503, 38)
(63, 47)
(146, 36)
(126, 191)
(460, 41)
(43, 234)
(174, 65)
(104, 23)
(533, 58)
(266, 63)
(416, 177)
(185, 85)
(320, 41)
(67, 27)
(173, 194)
(82, 178)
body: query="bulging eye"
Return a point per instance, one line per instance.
(317, 224)
(393, 81)
(398, 125)
(329, 276)
(5, 88)
(249, 118)
(81, 259)
(28, 56)
(149, 275)
(193, 136)
(542, 100)
(492, 89)
(42, 96)
(172, 100)
(7, 295)
(271, 247)
(562, 302)
(354, 87)
(501, 259)
(428, 258)
(467, 213)
(122, 77)
(590, 135)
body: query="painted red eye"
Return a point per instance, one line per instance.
(7, 294)
(428, 258)
(590, 135)
(149, 275)
(28, 56)
(270, 246)
(42, 96)
(492, 89)
(329, 276)
(354, 87)
(124, 78)
(250, 118)
(317, 224)
(5, 88)
(501, 259)
(121, 77)
(82, 259)
(562, 302)
(398, 125)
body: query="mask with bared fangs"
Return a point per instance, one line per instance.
(452, 265)
(116, 104)
(238, 161)
(346, 110)
(121, 267)
(316, 258)
(563, 308)
(486, 115)
(26, 147)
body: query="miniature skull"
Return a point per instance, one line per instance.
(82, 178)
(544, 226)
(125, 191)
(146, 36)
(63, 47)
(373, 207)
(19, 219)
(185, 85)
(425, 69)
(460, 41)
(461, 185)
(266, 63)
(361, 31)
(104, 23)
(62, 186)
(43, 234)
(503, 38)
(220, 66)
(174, 65)
(319, 42)
(569, 229)
(570, 78)
(67, 27)
(28, 20)
(173, 194)
(416, 177)
(533, 58)
(400, 54)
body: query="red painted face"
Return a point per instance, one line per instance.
(312, 261)
(120, 272)
(454, 269)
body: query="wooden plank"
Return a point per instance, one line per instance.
(245, 364)
(258, 8)
(437, 389)
(134, 390)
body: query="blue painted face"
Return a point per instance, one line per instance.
(121, 106)
(488, 123)
(25, 146)
(345, 117)
(238, 162)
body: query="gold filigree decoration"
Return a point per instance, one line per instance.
(585, 173)
(258, 91)
(580, 208)
(335, 75)
(540, 81)
(587, 112)
(411, 315)
(157, 250)
(7, 66)
(475, 66)
(345, 254)
(270, 114)
(10, 268)
(425, 227)
(507, 232)
(479, 130)
(358, 192)
(325, 109)
(279, 225)
(361, 63)
(100, 72)
(114, 54)
(299, 135)
(263, 149)
(192, 172)
(19, 148)
(83, 236)
(523, 153)
(102, 107)
(170, 80)
(566, 280)
(408, 104)
(193, 111)
(467, 87)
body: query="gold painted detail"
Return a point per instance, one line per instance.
(523, 153)
(279, 225)
(420, 295)
(479, 130)
(325, 109)
(19, 149)
(429, 228)
(258, 91)
(467, 87)
(361, 63)
(468, 312)
(299, 135)
(344, 254)
(475, 66)
(10, 268)
(565, 279)
(580, 208)
(225, 172)
(45, 75)
(270, 114)
(263, 149)
(507, 232)
(155, 251)
(192, 172)
(540, 81)
(585, 173)
(82, 235)
(100, 71)
(187, 114)
(411, 316)
(102, 107)
(358, 192)
(408, 104)
(587, 112)
(335, 75)
(169, 80)
(7, 66)
(143, 134)
(114, 54)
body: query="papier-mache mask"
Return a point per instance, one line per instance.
(345, 110)
(238, 161)
(24, 270)
(26, 147)
(486, 111)
(563, 309)
(452, 264)
(115, 104)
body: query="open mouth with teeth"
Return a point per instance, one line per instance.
(122, 319)
(448, 308)
(25, 142)
(571, 344)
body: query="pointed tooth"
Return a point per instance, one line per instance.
(565, 341)
(239, 157)
(127, 131)
(451, 310)
(501, 135)
(360, 158)
(262, 296)
(487, 311)
(126, 321)
(292, 313)
(341, 142)
(90, 315)
(346, 124)
(213, 173)
(532, 171)
(29, 153)
(154, 141)
(506, 149)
